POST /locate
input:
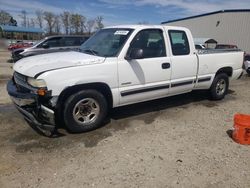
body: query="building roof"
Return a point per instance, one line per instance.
(207, 14)
(9, 28)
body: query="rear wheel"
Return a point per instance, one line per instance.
(85, 111)
(248, 71)
(219, 86)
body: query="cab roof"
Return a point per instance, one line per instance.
(146, 27)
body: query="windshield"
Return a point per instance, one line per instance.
(106, 42)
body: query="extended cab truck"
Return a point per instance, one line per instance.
(117, 66)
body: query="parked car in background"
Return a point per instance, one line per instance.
(199, 46)
(117, 66)
(247, 63)
(226, 46)
(19, 45)
(49, 45)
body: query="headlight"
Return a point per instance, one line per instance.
(36, 82)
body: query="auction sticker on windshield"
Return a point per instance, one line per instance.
(121, 32)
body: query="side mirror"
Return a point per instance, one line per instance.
(134, 53)
(45, 46)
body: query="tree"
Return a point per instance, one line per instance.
(99, 24)
(32, 22)
(75, 22)
(89, 26)
(12, 22)
(27, 22)
(57, 24)
(65, 17)
(39, 18)
(82, 24)
(49, 17)
(5, 18)
(23, 16)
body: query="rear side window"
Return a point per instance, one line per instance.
(54, 42)
(179, 42)
(73, 41)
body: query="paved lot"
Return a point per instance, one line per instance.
(180, 141)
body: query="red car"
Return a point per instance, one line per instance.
(19, 45)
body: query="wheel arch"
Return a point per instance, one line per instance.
(227, 70)
(99, 86)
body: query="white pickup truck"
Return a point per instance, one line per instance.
(117, 66)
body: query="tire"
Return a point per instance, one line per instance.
(219, 87)
(248, 71)
(84, 111)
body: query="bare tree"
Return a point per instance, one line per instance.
(90, 24)
(57, 24)
(27, 22)
(65, 17)
(39, 18)
(23, 16)
(82, 24)
(49, 17)
(32, 22)
(99, 24)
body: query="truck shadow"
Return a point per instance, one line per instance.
(161, 104)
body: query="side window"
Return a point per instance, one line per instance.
(54, 42)
(73, 41)
(69, 41)
(151, 41)
(81, 40)
(179, 42)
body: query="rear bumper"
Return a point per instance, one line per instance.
(29, 106)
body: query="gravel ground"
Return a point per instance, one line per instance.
(5, 74)
(181, 141)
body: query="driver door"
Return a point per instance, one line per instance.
(147, 77)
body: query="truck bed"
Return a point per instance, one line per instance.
(214, 51)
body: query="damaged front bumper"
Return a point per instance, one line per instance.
(39, 116)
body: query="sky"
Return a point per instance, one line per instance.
(117, 12)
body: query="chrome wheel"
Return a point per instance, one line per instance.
(221, 87)
(86, 111)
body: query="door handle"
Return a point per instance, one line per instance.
(165, 65)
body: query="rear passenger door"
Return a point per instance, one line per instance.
(148, 77)
(183, 61)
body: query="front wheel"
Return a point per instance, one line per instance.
(85, 111)
(219, 86)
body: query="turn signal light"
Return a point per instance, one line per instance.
(41, 91)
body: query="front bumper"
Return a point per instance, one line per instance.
(28, 104)
(16, 55)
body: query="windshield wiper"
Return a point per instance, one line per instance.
(93, 52)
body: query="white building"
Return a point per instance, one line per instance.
(225, 26)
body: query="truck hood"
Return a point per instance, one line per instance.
(34, 65)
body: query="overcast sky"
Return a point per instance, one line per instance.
(124, 11)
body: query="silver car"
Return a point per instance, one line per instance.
(49, 45)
